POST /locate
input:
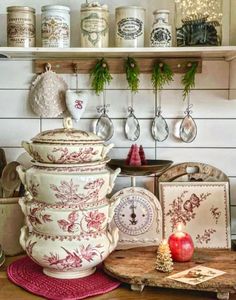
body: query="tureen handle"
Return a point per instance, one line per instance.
(112, 207)
(67, 123)
(24, 232)
(106, 149)
(113, 176)
(21, 172)
(26, 146)
(113, 236)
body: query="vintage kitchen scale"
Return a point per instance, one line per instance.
(138, 214)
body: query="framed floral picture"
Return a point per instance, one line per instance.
(202, 208)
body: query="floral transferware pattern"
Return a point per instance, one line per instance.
(66, 156)
(94, 221)
(67, 191)
(203, 209)
(73, 259)
(36, 216)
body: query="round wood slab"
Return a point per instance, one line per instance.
(137, 267)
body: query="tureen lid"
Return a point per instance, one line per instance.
(66, 135)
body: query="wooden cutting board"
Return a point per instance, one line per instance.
(192, 171)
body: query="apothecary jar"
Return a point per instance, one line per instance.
(198, 22)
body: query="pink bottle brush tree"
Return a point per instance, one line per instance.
(136, 156)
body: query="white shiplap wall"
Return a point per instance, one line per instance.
(215, 115)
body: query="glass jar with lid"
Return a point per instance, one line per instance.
(94, 25)
(20, 26)
(55, 26)
(198, 22)
(161, 35)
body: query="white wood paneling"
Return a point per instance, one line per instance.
(13, 131)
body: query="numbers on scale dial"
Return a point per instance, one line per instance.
(134, 215)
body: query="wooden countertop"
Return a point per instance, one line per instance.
(9, 291)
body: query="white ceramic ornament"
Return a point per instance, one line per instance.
(47, 94)
(76, 102)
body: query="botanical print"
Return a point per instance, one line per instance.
(196, 275)
(201, 207)
(29, 247)
(70, 224)
(98, 183)
(66, 156)
(183, 209)
(95, 220)
(36, 216)
(206, 237)
(216, 213)
(67, 191)
(74, 259)
(35, 154)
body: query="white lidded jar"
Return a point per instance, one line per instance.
(130, 22)
(55, 26)
(94, 25)
(161, 35)
(20, 26)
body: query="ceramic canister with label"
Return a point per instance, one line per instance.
(20, 26)
(130, 22)
(161, 30)
(55, 26)
(94, 25)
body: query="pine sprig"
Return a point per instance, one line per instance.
(161, 75)
(188, 79)
(100, 76)
(132, 74)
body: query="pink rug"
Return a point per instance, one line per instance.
(28, 275)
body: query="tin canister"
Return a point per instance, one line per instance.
(94, 25)
(55, 26)
(130, 22)
(20, 26)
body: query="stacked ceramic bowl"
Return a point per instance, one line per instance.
(67, 213)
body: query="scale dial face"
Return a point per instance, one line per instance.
(134, 214)
(138, 216)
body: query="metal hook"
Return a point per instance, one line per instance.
(130, 109)
(188, 110)
(48, 67)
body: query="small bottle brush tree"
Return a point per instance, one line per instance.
(142, 155)
(135, 157)
(164, 262)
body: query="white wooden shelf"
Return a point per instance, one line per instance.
(220, 52)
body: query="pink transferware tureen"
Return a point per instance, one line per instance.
(68, 215)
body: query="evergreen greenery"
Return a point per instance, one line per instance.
(132, 74)
(100, 76)
(188, 79)
(161, 75)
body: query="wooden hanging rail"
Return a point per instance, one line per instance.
(116, 65)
